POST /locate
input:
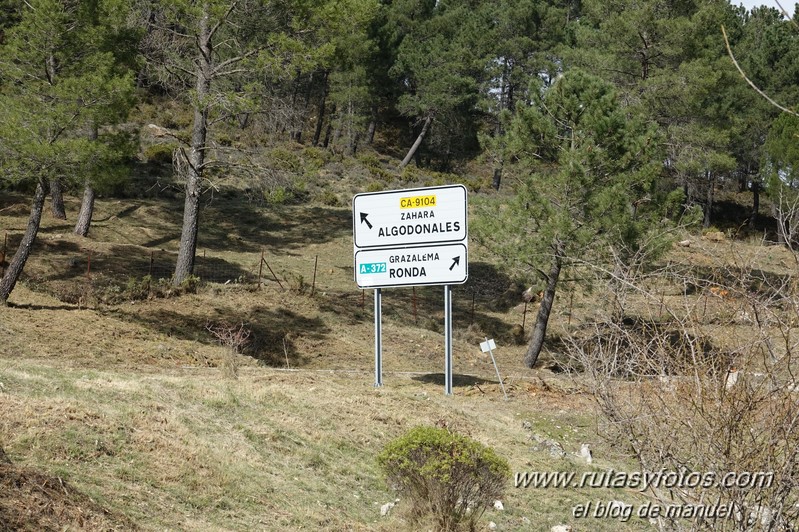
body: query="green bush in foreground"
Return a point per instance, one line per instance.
(444, 476)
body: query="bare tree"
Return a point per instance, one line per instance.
(682, 400)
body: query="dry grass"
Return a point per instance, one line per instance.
(127, 401)
(189, 449)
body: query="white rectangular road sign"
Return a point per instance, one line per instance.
(427, 265)
(394, 218)
(488, 345)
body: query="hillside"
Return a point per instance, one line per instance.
(121, 410)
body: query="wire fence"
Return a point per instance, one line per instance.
(111, 274)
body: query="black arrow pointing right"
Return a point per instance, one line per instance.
(455, 261)
(363, 219)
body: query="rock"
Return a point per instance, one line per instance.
(526, 425)
(552, 447)
(684, 243)
(158, 131)
(742, 317)
(498, 505)
(386, 508)
(714, 236)
(561, 528)
(585, 453)
(525, 521)
(764, 514)
(492, 525)
(732, 378)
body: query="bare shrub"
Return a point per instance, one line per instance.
(698, 392)
(234, 337)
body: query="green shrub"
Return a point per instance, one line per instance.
(329, 198)
(369, 160)
(374, 186)
(315, 158)
(295, 281)
(445, 476)
(136, 290)
(278, 196)
(673, 203)
(410, 174)
(379, 173)
(159, 153)
(283, 159)
(190, 284)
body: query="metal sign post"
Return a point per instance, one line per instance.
(378, 339)
(447, 340)
(411, 237)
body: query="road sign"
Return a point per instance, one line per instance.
(488, 345)
(416, 266)
(396, 218)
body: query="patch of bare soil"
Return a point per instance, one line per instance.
(30, 500)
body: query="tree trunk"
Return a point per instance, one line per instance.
(418, 142)
(329, 130)
(540, 328)
(320, 118)
(196, 157)
(304, 113)
(86, 211)
(17, 263)
(755, 203)
(497, 177)
(710, 193)
(370, 132)
(57, 194)
(353, 144)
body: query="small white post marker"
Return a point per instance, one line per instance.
(487, 347)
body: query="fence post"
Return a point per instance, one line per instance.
(313, 283)
(273, 275)
(260, 268)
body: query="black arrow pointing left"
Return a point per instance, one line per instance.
(363, 219)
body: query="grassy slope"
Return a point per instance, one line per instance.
(129, 403)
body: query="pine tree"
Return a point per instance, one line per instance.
(52, 88)
(584, 163)
(438, 65)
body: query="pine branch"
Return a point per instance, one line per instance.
(749, 81)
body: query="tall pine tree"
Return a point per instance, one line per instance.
(584, 164)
